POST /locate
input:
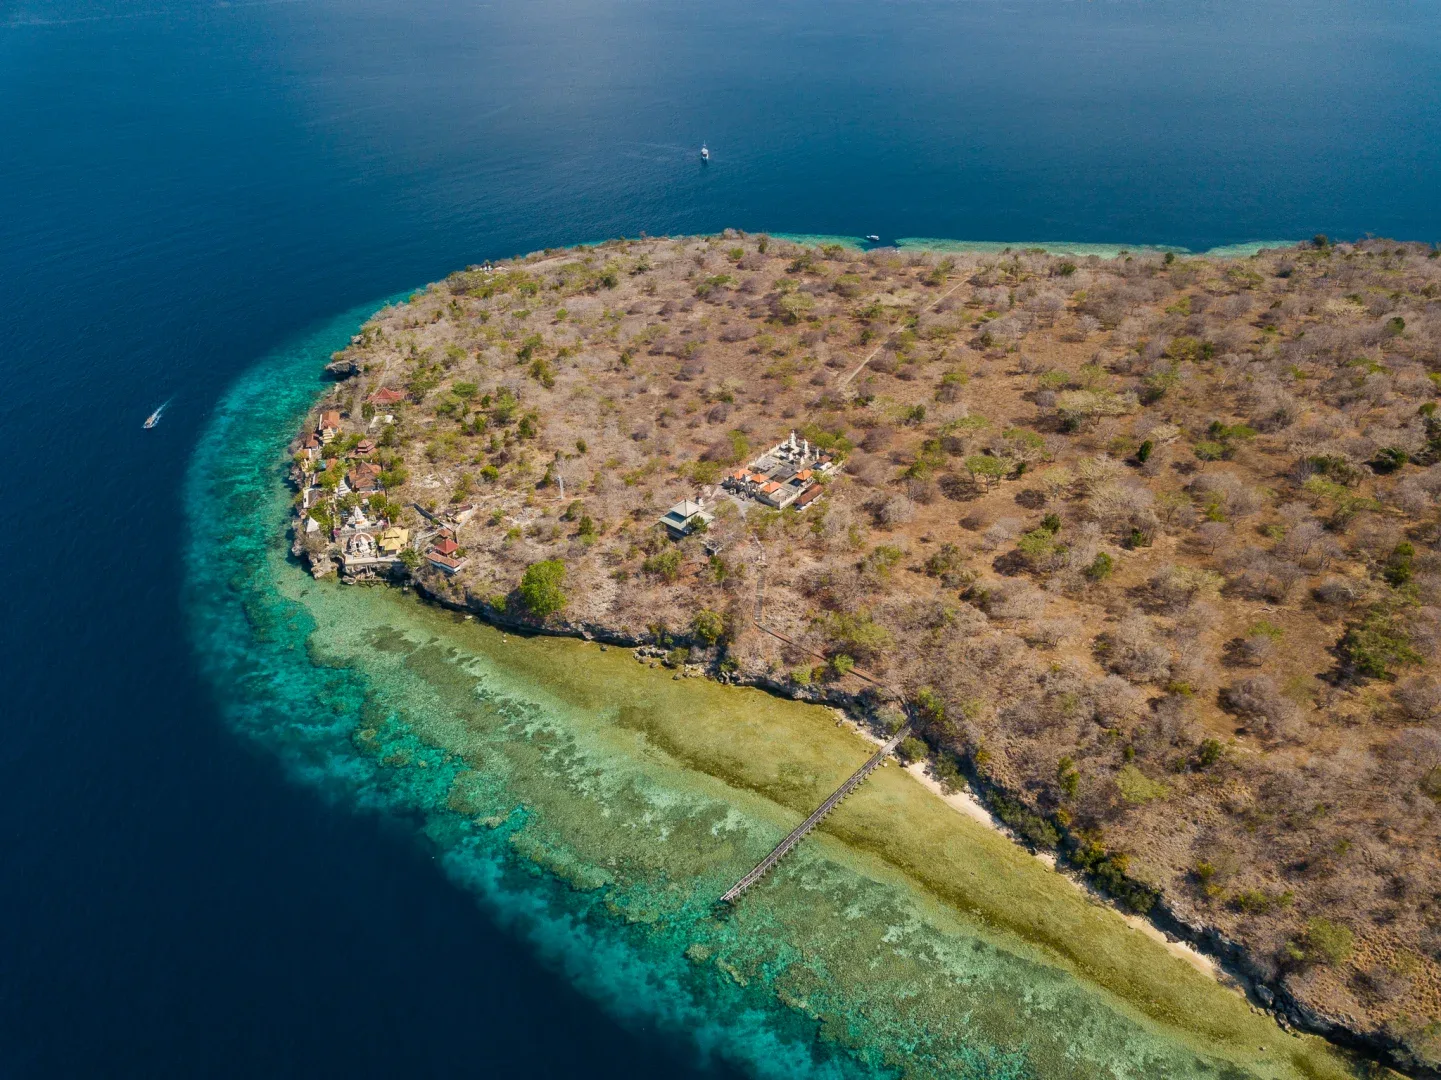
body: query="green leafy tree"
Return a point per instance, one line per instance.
(1378, 643)
(985, 469)
(528, 347)
(1324, 942)
(912, 749)
(542, 588)
(883, 559)
(708, 626)
(665, 565)
(1067, 776)
(857, 635)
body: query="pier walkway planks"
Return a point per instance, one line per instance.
(798, 833)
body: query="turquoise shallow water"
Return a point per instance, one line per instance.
(1054, 247)
(553, 782)
(188, 183)
(253, 643)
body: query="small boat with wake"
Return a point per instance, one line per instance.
(873, 238)
(704, 152)
(154, 418)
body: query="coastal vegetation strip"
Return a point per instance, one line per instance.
(1148, 542)
(544, 729)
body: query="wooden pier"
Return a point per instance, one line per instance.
(798, 833)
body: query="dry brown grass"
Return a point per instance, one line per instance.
(1263, 525)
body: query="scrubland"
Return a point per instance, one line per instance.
(1149, 544)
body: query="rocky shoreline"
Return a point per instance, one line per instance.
(1149, 547)
(1249, 975)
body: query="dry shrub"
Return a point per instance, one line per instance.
(1000, 533)
(1047, 305)
(1195, 668)
(1417, 492)
(1117, 700)
(1176, 586)
(1133, 650)
(1010, 600)
(1235, 498)
(838, 520)
(896, 510)
(866, 470)
(1420, 697)
(1259, 702)
(920, 491)
(1214, 536)
(1302, 538)
(1271, 408)
(1052, 632)
(1098, 471)
(1327, 435)
(1120, 506)
(1084, 546)
(878, 438)
(1256, 649)
(1037, 715)
(1261, 575)
(1338, 591)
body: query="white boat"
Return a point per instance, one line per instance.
(873, 238)
(704, 152)
(154, 418)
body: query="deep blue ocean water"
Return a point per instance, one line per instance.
(185, 186)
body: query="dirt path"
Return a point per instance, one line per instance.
(845, 380)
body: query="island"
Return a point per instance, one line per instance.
(1145, 547)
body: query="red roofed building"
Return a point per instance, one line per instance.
(386, 396)
(809, 495)
(444, 562)
(329, 425)
(445, 547)
(364, 478)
